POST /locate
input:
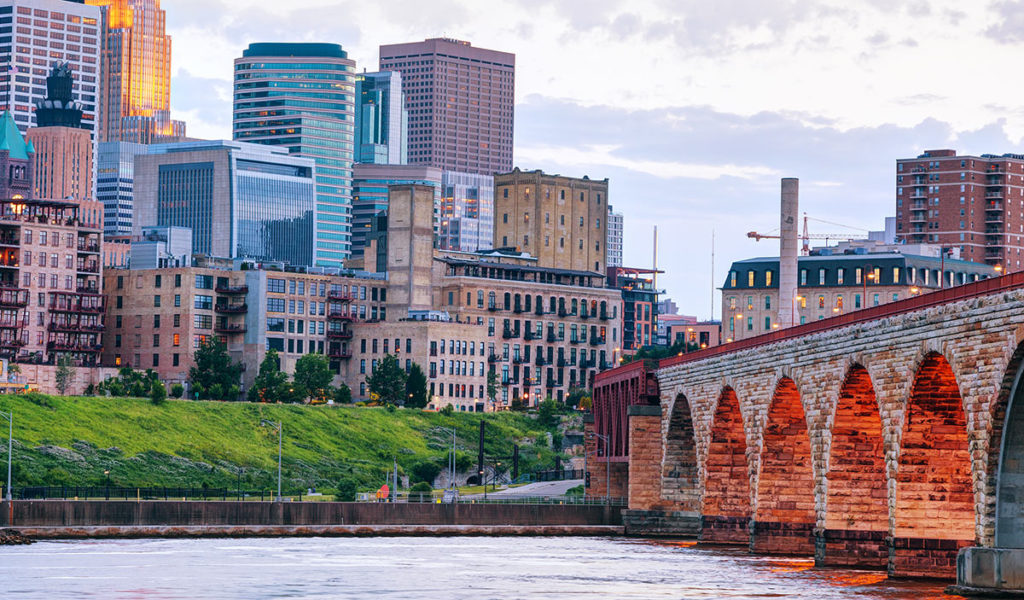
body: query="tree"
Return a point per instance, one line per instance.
(426, 470)
(547, 412)
(421, 492)
(578, 397)
(157, 393)
(177, 390)
(492, 385)
(416, 388)
(214, 372)
(313, 373)
(387, 382)
(65, 373)
(269, 379)
(343, 394)
(346, 491)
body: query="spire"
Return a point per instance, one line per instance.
(59, 109)
(11, 139)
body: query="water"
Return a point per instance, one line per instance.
(476, 568)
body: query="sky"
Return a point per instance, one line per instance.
(693, 109)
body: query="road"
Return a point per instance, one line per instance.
(541, 488)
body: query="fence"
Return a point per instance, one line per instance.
(143, 493)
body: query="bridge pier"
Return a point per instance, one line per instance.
(717, 529)
(852, 548)
(786, 539)
(990, 572)
(918, 557)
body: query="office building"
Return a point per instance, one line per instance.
(301, 97)
(382, 122)
(370, 195)
(615, 237)
(240, 200)
(136, 67)
(562, 221)
(639, 305)
(461, 101)
(161, 248)
(466, 220)
(33, 35)
(64, 148)
(115, 185)
(832, 284)
(972, 203)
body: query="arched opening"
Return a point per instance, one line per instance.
(679, 475)
(784, 523)
(934, 497)
(857, 515)
(1008, 439)
(726, 507)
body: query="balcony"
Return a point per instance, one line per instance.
(597, 341)
(584, 315)
(340, 353)
(337, 315)
(529, 336)
(994, 206)
(518, 360)
(918, 217)
(75, 327)
(232, 289)
(539, 311)
(341, 334)
(562, 312)
(605, 316)
(518, 309)
(10, 238)
(915, 195)
(73, 347)
(88, 289)
(231, 309)
(586, 364)
(510, 381)
(13, 297)
(509, 334)
(562, 362)
(493, 358)
(575, 340)
(340, 296)
(994, 252)
(10, 322)
(230, 329)
(92, 247)
(492, 307)
(11, 344)
(89, 267)
(994, 195)
(606, 365)
(919, 206)
(552, 337)
(994, 219)
(78, 307)
(541, 361)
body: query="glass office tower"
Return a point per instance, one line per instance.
(382, 122)
(301, 97)
(370, 194)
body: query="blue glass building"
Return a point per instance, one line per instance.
(370, 194)
(301, 97)
(382, 122)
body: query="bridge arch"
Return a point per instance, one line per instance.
(679, 481)
(785, 516)
(857, 503)
(726, 503)
(1006, 465)
(934, 512)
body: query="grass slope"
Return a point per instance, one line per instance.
(71, 440)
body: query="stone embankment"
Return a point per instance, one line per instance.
(10, 537)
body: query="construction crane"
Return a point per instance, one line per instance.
(806, 237)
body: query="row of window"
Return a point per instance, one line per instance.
(875, 275)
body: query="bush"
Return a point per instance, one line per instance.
(343, 395)
(177, 390)
(421, 492)
(157, 393)
(346, 491)
(425, 472)
(575, 491)
(448, 410)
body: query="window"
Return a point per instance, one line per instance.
(275, 305)
(821, 301)
(821, 276)
(840, 275)
(177, 300)
(202, 321)
(750, 278)
(156, 301)
(768, 279)
(856, 300)
(204, 282)
(157, 281)
(750, 323)
(803, 276)
(275, 286)
(204, 302)
(767, 302)
(176, 340)
(877, 299)
(767, 323)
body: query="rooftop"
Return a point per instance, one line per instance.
(300, 49)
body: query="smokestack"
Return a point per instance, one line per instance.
(788, 251)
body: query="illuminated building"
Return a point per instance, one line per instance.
(33, 35)
(639, 305)
(466, 212)
(136, 85)
(300, 97)
(16, 159)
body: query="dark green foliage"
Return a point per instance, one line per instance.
(426, 471)
(547, 412)
(387, 382)
(313, 374)
(343, 395)
(416, 388)
(268, 382)
(157, 393)
(177, 390)
(420, 492)
(65, 373)
(346, 491)
(214, 374)
(492, 385)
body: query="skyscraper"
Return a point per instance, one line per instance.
(466, 212)
(381, 119)
(115, 184)
(460, 101)
(63, 159)
(300, 96)
(615, 238)
(33, 35)
(370, 193)
(136, 73)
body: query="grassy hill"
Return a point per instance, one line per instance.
(71, 440)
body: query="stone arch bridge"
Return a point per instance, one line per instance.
(890, 437)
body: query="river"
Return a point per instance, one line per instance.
(477, 568)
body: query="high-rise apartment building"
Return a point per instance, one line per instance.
(64, 148)
(33, 35)
(240, 200)
(466, 219)
(615, 238)
(370, 184)
(460, 101)
(974, 203)
(560, 220)
(115, 184)
(382, 122)
(639, 305)
(301, 97)
(136, 71)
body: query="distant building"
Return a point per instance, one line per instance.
(461, 100)
(162, 248)
(668, 307)
(665, 321)
(136, 74)
(467, 212)
(370, 194)
(382, 122)
(240, 200)
(301, 97)
(696, 335)
(61, 31)
(562, 221)
(115, 185)
(639, 306)
(17, 161)
(615, 238)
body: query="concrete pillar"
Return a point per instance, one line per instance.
(788, 250)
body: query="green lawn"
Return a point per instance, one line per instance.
(187, 443)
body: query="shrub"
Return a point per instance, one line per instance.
(421, 492)
(448, 410)
(157, 393)
(425, 471)
(346, 491)
(177, 390)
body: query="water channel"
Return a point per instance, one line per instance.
(477, 568)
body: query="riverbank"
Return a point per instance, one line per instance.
(29, 534)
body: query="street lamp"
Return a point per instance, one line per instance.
(278, 427)
(864, 283)
(10, 447)
(451, 460)
(607, 467)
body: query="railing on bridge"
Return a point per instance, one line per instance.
(614, 392)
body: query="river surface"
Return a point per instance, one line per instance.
(477, 568)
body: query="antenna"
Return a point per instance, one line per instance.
(712, 275)
(654, 276)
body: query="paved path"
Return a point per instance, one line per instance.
(542, 488)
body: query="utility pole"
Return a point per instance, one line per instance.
(480, 456)
(515, 462)
(394, 490)
(10, 448)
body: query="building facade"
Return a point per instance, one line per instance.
(830, 285)
(370, 184)
(461, 103)
(639, 306)
(115, 185)
(696, 335)
(466, 219)
(301, 97)
(135, 99)
(240, 200)
(973, 203)
(17, 160)
(382, 122)
(560, 220)
(615, 238)
(33, 35)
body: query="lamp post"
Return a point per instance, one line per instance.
(607, 467)
(279, 427)
(10, 447)
(451, 459)
(864, 283)
(792, 309)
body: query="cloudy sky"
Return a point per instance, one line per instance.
(693, 109)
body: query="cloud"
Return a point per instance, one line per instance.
(1010, 28)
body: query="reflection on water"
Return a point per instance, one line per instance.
(477, 568)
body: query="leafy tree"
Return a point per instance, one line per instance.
(426, 470)
(157, 393)
(346, 491)
(387, 382)
(448, 410)
(177, 390)
(492, 385)
(291, 393)
(577, 397)
(65, 373)
(313, 373)
(342, 394)
(547, 412)
(416, 388)
(269, 379)
(214, 372)
(421, 492)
